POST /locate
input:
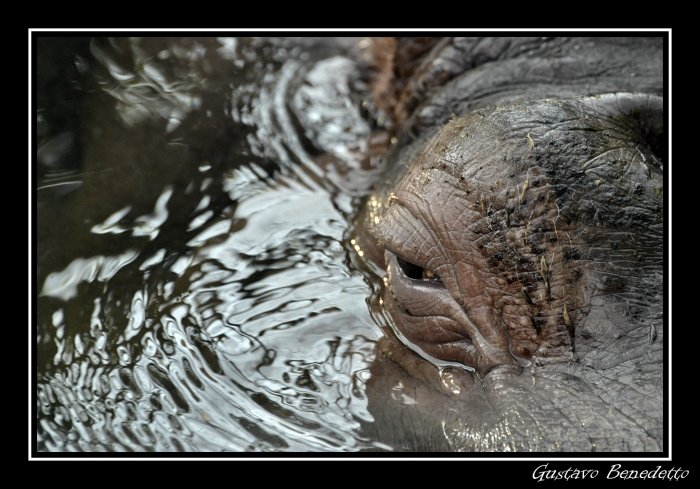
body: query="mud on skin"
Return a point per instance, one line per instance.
(524, 242)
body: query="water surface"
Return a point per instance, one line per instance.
(194, 285)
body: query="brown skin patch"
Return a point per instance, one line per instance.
(538, 230)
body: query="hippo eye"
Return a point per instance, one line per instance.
(409, 269)
(417, 273)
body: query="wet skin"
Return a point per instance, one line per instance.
(524, 243)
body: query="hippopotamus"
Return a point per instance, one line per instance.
(517, 243)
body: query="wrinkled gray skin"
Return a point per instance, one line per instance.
(521, 230)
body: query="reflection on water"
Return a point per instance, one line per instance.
(194, 290)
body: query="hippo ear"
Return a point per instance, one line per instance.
(643, 112)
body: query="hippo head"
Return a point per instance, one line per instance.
(521, 242)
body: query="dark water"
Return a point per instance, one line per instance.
(194, 284)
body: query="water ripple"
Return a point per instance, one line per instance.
(228, 319)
